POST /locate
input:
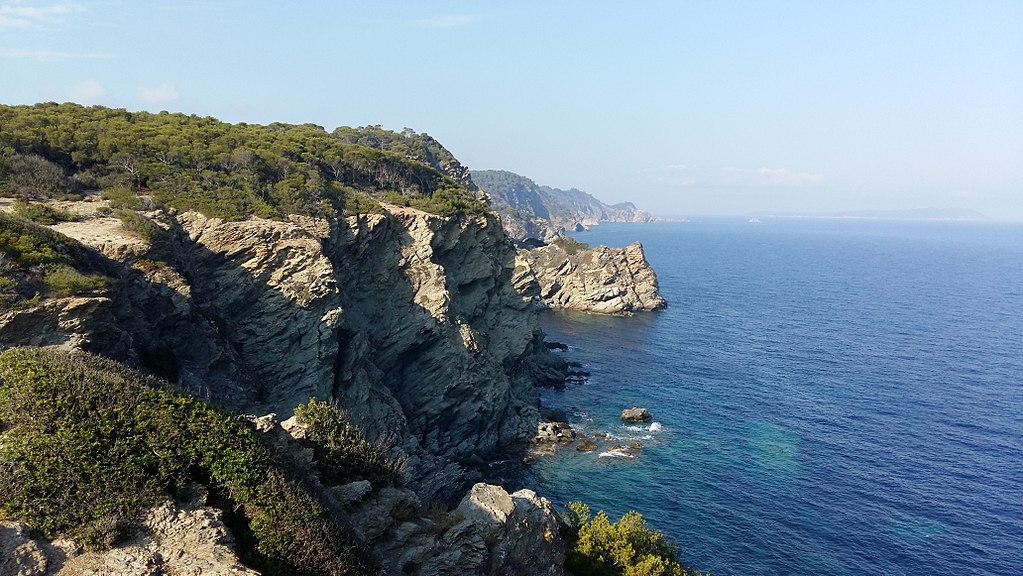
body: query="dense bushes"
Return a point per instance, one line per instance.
(598, 547)
(340, 451)
(88, 446)
(28, 244)
(225, 170)
(138, 223)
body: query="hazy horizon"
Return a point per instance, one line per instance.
(683, 109)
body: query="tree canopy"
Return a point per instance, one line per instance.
(221, 169)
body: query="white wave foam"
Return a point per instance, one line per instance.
(616, 454)
(656, 427)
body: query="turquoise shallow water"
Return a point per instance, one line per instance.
(832, 397)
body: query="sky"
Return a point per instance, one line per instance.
(685, 108)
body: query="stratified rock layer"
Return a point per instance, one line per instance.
(408, 319)
(601, 280)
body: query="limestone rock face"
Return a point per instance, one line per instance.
(408, 319)
(176, 539)
(76, 322)
(601, 280)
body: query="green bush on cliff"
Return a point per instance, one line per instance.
(27, 244)
(62, 280)
(87, 446)
(37, 262)
(628, 547)
(138, 223)
(340, 451)
(570, 245)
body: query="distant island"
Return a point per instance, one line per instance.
(911, 214)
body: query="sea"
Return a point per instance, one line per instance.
(829, 397)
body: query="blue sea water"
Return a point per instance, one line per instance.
(832, 397)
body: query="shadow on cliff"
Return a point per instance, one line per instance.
(429, 345)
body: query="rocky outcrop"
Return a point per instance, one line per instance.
(636, 414)
(601, 280)
(175, 539)
(490, 532)
(553, 433)
(407, 319)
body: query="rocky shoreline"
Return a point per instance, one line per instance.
(410, 321)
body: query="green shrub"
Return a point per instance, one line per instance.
(121, 196)
(88, 446)
(138, 223)
(340, 451)
(32, 176)
(628, 547)
(63, 280)
(570, 245)
(27, 244)
(42, 213)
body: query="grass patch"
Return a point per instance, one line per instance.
(89, 446)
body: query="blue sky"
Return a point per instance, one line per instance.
(686, 108)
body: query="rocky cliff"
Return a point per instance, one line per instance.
(531, 211)
(566, 275)
(408, 319)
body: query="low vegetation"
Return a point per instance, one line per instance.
(36, 262)
(342, 454)
(42, 213)
(628, 547)
(87, 446)
(139, 224)
(570, 245)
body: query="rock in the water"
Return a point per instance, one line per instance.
(553, 433)
(636, 414)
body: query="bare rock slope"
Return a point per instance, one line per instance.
(601, 280)
(408, 319)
